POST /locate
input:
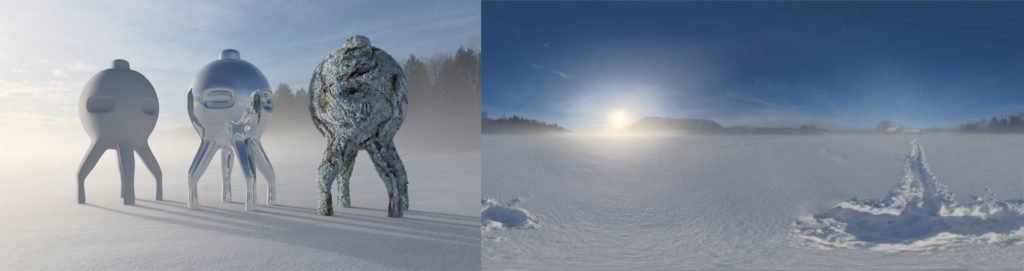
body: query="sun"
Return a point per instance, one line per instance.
(619, 119)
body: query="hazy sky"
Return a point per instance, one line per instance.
(51, 48)
(839, 65)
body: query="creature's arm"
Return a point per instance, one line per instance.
(315, 86)
(192, 114)
(262, 102)
(398, 86)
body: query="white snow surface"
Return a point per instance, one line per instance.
(737, 202)
(919, 213)
(497, 216)
(43, 228)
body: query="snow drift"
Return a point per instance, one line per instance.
(495, 216)
(919, 213)
(663, 202)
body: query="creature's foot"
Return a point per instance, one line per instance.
(81, 193)
(159, 192)
(193, 199)
(404, 190)
(129, 201)
(271, 196)
(325, 210)
(345, 202)
(196, 170)
(395, 207)
(324, 204)
(250, 197)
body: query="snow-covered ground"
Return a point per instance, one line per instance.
(42, 227)
(747, 202)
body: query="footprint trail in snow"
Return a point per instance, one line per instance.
(918, 214)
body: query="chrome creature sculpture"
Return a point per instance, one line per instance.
(119, 109)
(230, 107)
(358, 101)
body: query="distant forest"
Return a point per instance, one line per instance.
(1008, 124)
(516, 125)
(444, 103)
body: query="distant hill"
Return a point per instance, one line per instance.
(710, 127)
(802, 130)
(659, 124)
(517, 125)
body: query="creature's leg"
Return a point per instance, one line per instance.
(88, 163)
(126, 162)
(263, 165)
(389, 166)
(348, 160)
(249, 170)
(226, 162)
(199, 164)
(147, 157)
(327, 172)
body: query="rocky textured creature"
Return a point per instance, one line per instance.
(119, 109)
(230, 107)
(358, 101)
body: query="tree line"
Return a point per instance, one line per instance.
(1008, 124)
(517, 125)
(444, 102)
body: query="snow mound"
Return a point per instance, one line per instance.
(495, 216)
(918, 214)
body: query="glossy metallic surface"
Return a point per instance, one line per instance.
(230, 105)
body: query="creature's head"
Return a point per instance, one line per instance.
(359, 91)
(119, 103)
(231, 96)
(365, 72)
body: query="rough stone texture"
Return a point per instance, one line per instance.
(358, 101)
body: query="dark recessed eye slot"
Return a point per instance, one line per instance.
(150, 106)
(218, 99)
(99, 104)
(350, 90)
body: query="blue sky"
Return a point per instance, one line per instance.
(51, 48)
(837, 65)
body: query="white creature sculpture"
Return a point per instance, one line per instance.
(230, 107)
(358, 101)
(119, 109)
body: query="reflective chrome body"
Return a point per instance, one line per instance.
(230, 105)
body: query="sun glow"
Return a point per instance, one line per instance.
(618, 119)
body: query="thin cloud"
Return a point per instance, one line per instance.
(28, 119)
(80, 66)
(42, 92)
(536, 66)
(560, 73)
(168, 41)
